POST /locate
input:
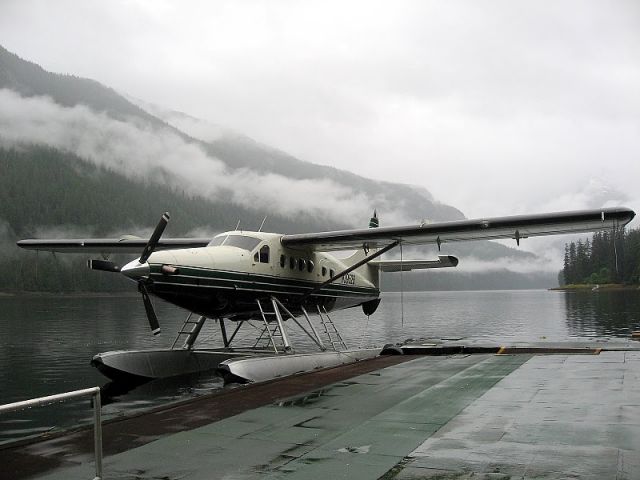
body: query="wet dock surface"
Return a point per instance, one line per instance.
(556, 417)
(521, 415)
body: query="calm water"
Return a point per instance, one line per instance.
(46, 343)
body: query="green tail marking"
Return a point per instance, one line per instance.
(373, 223)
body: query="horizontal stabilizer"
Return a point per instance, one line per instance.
(407, 265)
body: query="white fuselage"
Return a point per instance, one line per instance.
(225, 278)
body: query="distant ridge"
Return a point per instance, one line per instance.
(30, 79)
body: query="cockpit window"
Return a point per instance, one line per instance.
(217, 241)
(264, 254)
(241, 241)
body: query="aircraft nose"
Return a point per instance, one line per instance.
(135, 270)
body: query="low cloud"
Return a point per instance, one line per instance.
(529, 265)
(65, 231)
(140, 151)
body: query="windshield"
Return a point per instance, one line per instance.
(241, 241)
(217, 241)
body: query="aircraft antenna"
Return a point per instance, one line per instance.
(262, 224)
(238, 225)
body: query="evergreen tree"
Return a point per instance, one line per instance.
(609, 257)
(566, 269)
(572, 278)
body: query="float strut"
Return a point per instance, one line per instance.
(285, 339)
(223, 330)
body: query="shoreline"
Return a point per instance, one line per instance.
(596, 287)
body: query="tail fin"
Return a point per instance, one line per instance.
(363, 252)
(373, 223)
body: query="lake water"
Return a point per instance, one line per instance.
(46, 343)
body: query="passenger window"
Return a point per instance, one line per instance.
(264, 254)
(310, 266)
(283, 260)
(292, 263)
(331, 272)
(301, 264)
(324, 271)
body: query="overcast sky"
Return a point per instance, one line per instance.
(496, 107)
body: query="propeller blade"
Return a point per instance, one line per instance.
(155, 236)
(148, 306)
(103, 265)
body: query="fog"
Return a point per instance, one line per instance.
(138, 150)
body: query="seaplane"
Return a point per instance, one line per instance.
(268, 280)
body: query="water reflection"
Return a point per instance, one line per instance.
(603, 314)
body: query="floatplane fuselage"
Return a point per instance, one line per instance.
(225, 278)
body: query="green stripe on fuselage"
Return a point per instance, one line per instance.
(211, 278)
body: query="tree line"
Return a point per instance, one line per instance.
(608, 257)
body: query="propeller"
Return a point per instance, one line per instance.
(155, 236)
(107, 266)
(148, 307)
(142, 288)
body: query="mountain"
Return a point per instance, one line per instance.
(79, 157)
(31, 80)
(234, 150)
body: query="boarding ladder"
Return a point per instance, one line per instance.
(273, 335)
(190, 328)
(330, 330)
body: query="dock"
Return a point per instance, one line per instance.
(522, 411)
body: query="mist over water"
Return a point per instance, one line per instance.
(46, 343)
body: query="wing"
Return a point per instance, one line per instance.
(109, 245)
(515, 227)
(408, 265)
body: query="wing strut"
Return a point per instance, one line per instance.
(351, 269)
